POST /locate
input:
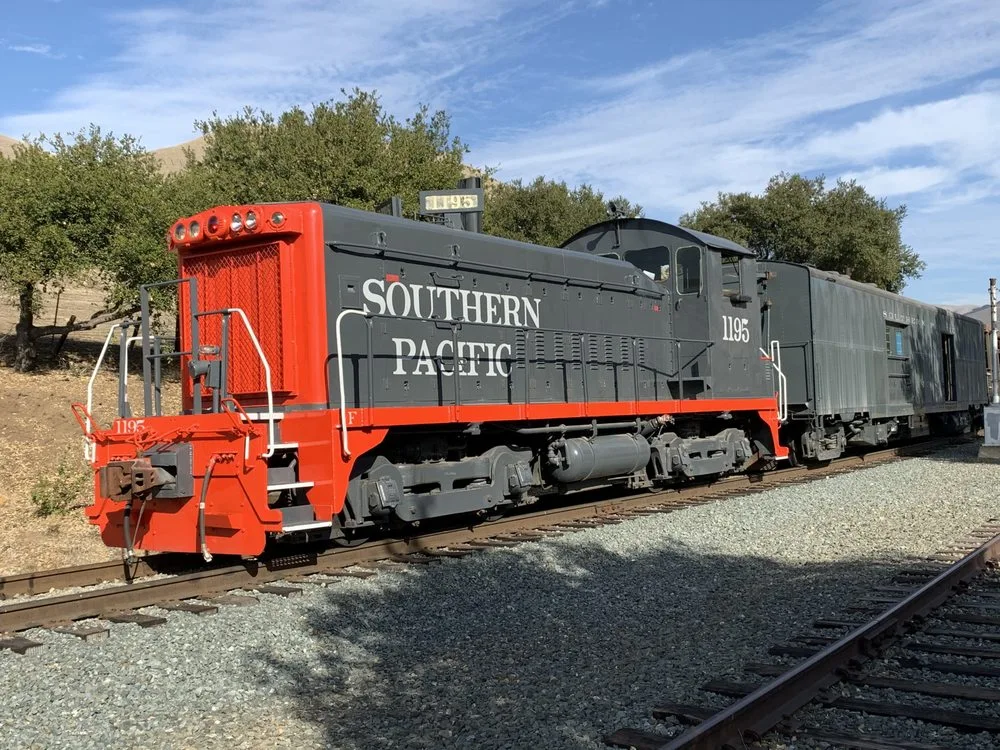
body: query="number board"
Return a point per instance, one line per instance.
(451, 201)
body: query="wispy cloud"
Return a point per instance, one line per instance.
(34, 49)
(727, 118)
(179, 64)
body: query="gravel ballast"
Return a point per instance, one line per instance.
(548, 644)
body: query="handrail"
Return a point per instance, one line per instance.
(775, 358)
(90, 443)
(340, 378)
(271, 442)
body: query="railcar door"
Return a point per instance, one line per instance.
(691, 324)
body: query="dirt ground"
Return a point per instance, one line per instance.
(38, 431)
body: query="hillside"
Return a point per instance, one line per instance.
(6, 144)
(172, 158)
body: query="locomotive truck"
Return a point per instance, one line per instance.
(346, 371)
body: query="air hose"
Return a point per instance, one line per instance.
(201, 510)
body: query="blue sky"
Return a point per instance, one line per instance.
(667, 102)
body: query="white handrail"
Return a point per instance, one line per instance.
(88, 443)
(782, 380)
(267, 380)
(340, 379)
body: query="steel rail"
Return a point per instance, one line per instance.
(39, 611)
(750, 718)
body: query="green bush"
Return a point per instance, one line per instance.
(59, 494)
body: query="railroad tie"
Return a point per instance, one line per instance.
(83, 632)
(193, 608)
(18, 645)
(135, 618)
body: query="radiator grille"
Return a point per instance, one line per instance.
(248, 278)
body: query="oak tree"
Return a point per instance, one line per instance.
(88, 205)
(546, 212)
(800, 219)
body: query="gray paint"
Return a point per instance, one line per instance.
(599, 335)
(834, 350)
(605, 331)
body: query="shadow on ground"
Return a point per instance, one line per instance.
(551, 645)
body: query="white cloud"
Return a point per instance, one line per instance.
(34, 49)
(728, 118)
(178, 64)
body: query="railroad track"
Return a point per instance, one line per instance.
(169, 581)
(938, 619)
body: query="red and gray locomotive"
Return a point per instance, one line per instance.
(345, 371)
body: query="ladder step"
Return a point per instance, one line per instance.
(285, 446)
(264, 416)
(289, 486)
(308, 526)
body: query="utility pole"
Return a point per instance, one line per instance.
(993, 342)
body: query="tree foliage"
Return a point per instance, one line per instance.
(90, 203)
(545, 212)
(843, 229)
(348, 152)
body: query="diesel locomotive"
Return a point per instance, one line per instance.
(345, 371)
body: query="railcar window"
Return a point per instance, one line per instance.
(730, 275)
(895, 340)
(655, 261)
(689, 270)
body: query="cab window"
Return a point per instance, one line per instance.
(689, 270)
(654, 261)
(731, 275)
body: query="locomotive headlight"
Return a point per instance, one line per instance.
(179, 232)
(251, 221)
(277, 219)
(194, 230)
(236, 224)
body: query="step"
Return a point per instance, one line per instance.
(264, 416)
(308, 526)
(285, 446)
(289, 486)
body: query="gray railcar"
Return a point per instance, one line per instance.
(864, 365)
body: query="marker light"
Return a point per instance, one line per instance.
(277, 219)
(194, 230)
(236, 224)
(251, 221)
(212, 226)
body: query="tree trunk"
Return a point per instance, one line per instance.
(25, 353)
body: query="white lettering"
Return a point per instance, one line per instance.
(511, 306)
(735, 329)
(400, 343)
(425, 366)
(373, 290)
(396, 313)
(446, 371)
(532, 312)
(433, 356)
(500, 357)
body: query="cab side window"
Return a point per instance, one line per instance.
(654, 261)
(731, 275)
(689, 270)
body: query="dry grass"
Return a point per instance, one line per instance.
(37, 430)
